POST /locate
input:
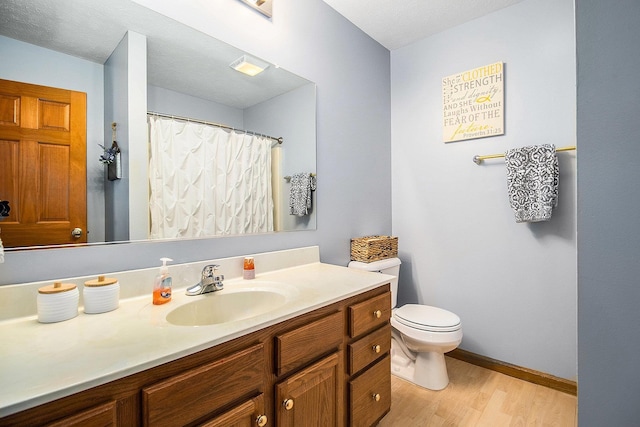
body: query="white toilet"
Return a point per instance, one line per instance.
(421, 334)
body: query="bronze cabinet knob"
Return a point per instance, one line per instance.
(288, 404)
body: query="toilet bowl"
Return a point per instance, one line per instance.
(421, 334)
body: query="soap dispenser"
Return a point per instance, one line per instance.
(162, 284)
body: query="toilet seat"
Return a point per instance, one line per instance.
(427, 318)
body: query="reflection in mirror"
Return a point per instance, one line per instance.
(83, 45)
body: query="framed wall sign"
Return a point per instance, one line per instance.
(473, 103)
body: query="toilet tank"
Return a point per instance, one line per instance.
(389, 266)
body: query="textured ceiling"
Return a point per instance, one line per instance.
(185, 60)
(179, 57)
(397, 23)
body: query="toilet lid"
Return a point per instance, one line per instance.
(427, 318)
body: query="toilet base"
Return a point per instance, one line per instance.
(428, 370)
(431, 371)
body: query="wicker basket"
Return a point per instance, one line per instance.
(373, 248)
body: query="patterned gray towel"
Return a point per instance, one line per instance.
(532, 181)
(302, 184)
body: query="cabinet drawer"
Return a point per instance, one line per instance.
(370, 394)
(102, 415)
(248, 414)
(298, 347)
(369, 348)
(369, 314)
(187, 397)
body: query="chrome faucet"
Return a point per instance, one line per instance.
(211, 281)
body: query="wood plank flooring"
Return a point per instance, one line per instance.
(478, 397)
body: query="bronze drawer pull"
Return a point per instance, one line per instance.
(376, 397)
(377, 314)
(261, 421)
(376, 348)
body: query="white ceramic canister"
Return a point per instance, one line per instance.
(101, 295)
(57, 302)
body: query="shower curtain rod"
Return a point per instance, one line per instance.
(478, 159)
(279, 140)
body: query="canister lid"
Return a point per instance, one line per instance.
(100, 281)
(57, 287)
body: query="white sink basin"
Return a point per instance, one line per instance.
(230, 304)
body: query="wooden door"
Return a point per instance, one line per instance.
(311, 397)
(43, 135)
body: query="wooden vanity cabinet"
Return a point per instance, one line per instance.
(325, 362)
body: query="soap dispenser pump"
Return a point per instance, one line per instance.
(162, 284)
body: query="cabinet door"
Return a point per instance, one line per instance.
(311, 397)
(248, 414)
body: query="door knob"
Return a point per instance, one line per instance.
(76, 233)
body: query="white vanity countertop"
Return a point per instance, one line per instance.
(43, 362)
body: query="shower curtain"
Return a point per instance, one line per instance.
(207, 181)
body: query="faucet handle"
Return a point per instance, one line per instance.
(210, 274)
(208, 270)
(217, 277)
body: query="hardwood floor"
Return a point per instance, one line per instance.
(479, 397)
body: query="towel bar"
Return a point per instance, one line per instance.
(288, 178)
(478, 159)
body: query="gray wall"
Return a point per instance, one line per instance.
(127, 206)
(161, 100)
(513, 285)
(608, 36)
(353, 147)
(116, 109)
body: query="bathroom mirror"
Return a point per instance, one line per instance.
(188, 75)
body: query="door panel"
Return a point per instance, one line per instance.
(43, 164)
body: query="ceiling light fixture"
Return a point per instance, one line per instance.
(249, 65)
(262, 6)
